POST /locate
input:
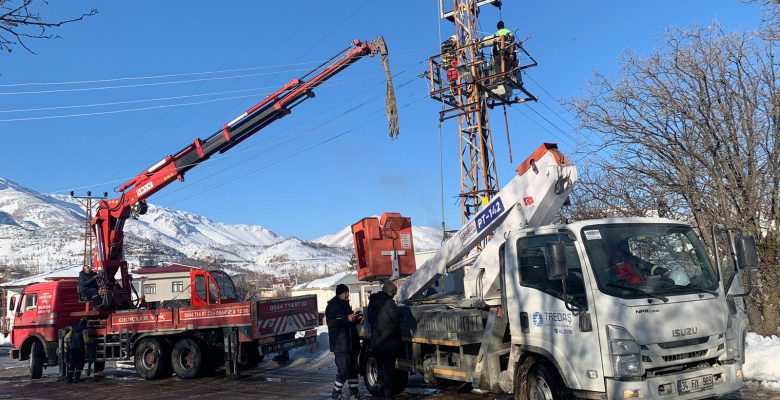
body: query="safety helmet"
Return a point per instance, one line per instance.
(680, 277)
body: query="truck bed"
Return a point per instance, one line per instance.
(265, 317)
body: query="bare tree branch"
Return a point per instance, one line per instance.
(692, 132)
(18, 22)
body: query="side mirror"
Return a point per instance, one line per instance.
(556, 262)
(747, 253)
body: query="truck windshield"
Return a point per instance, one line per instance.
(648, 260)
(226, 287)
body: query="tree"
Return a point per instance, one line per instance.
(692, 131)
(18, 21)
(771, 28)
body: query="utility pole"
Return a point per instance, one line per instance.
(89, 205)
(472, 75)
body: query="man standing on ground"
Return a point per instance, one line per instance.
(385, 320)
(76, 342)
(344, 341)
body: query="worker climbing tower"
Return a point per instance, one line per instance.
(471, 75)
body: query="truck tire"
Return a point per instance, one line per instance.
(152, 360)
(371, 376)
(537, 379)
(36, 359)
(187, 358)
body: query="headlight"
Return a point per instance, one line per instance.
(624, 351)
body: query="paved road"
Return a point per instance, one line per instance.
(300, 379)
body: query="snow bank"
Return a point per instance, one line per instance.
(315, 356)
(4, 341)
(761, 355)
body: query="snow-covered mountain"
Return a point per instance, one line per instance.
(41, 232)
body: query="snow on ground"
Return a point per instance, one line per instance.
(761, 354)
(4, 341)
(316, 355)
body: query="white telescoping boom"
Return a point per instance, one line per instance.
(532, 198)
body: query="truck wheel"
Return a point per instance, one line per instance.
(187, 358)
(151, 359)
(536, 379)
(371, 377)
(36, 360)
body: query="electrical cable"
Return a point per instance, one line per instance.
(232, 154)
(156, 107)
(273, 146)
(369, 120)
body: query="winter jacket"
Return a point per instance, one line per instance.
(385, 319)
(87, 280)
(626, 272)
(342, 334)
(77, 338)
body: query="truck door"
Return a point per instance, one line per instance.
(732, 281)
(205, 290)
(557, 326)
(26, 315)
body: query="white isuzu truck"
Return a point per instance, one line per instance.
(624, 308)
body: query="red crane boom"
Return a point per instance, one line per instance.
(109, 220)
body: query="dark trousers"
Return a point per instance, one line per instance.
(75, 364)
(91, 294)
(346, 362)
(386, 363)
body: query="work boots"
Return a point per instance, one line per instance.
(335, 395)
(77, 377)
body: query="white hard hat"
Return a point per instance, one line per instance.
(680, 277)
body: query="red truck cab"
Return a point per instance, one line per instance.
(42, 310)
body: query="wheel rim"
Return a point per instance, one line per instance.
(541, 390)
(149, 358)
(372, 372)
(187, 359)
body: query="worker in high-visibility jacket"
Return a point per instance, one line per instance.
(503, 49)
(76, 345)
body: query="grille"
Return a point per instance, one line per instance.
(456, 323)
(684, 342)
(683, 356)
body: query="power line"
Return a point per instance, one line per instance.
(251, 148)
(276, 145)
(152, 107)
(402, 53)
(369, 120)
(559, 20)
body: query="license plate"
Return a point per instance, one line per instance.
(694, 384)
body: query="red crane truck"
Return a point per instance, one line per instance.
(188, 341)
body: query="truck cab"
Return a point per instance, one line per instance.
(634, 309)
(42, 310)
(211, 287)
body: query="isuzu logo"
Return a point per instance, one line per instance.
(685, 331)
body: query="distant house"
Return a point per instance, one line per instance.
(168, 283)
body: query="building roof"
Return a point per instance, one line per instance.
(66, 272)
(345, 278)
(164, 269)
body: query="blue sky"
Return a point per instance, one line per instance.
(288, 178)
